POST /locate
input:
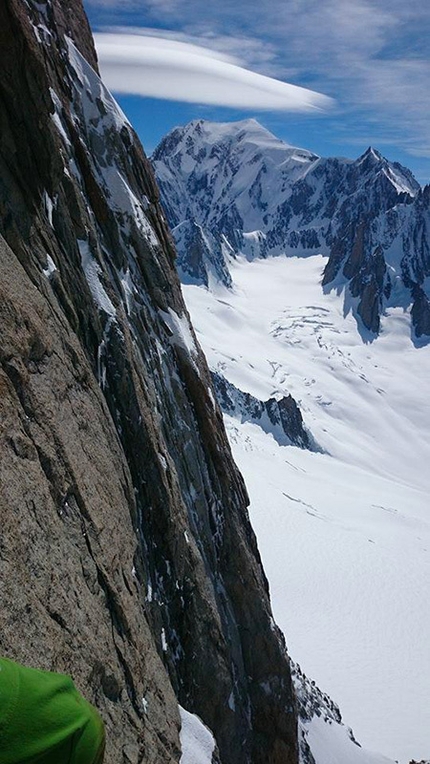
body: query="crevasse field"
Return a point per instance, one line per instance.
(344, 533)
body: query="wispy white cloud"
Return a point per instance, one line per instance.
(162, 67)
(243, 50)
(371, 55)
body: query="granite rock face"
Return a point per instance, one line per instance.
(235, 189)
(126, 554)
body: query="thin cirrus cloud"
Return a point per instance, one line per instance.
(162, 67)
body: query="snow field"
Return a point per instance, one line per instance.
(344, 534)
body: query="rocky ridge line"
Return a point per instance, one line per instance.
(279, 416)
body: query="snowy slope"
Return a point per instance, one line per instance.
(344, 534)
(323, 737)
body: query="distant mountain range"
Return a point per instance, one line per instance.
(235, 189)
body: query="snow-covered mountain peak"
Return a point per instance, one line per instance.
(218, 131)
(213, 139)
(399, 176)
(239, 129)
(247, 131)
(371, 154)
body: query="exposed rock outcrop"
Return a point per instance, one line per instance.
(126, 556)
(420, 312)
(280, 417)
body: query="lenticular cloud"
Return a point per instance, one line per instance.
(164, 68)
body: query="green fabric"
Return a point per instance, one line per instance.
(44, 720)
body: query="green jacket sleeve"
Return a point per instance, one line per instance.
(44, 720)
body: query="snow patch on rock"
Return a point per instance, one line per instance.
(92, 272)
(197, 741)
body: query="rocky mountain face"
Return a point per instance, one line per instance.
(231, 189)
(126, 554)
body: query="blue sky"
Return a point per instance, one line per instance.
(371, 58)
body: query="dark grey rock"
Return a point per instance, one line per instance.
(420, 312)
(280, 417)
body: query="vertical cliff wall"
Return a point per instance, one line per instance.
(126, 555)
